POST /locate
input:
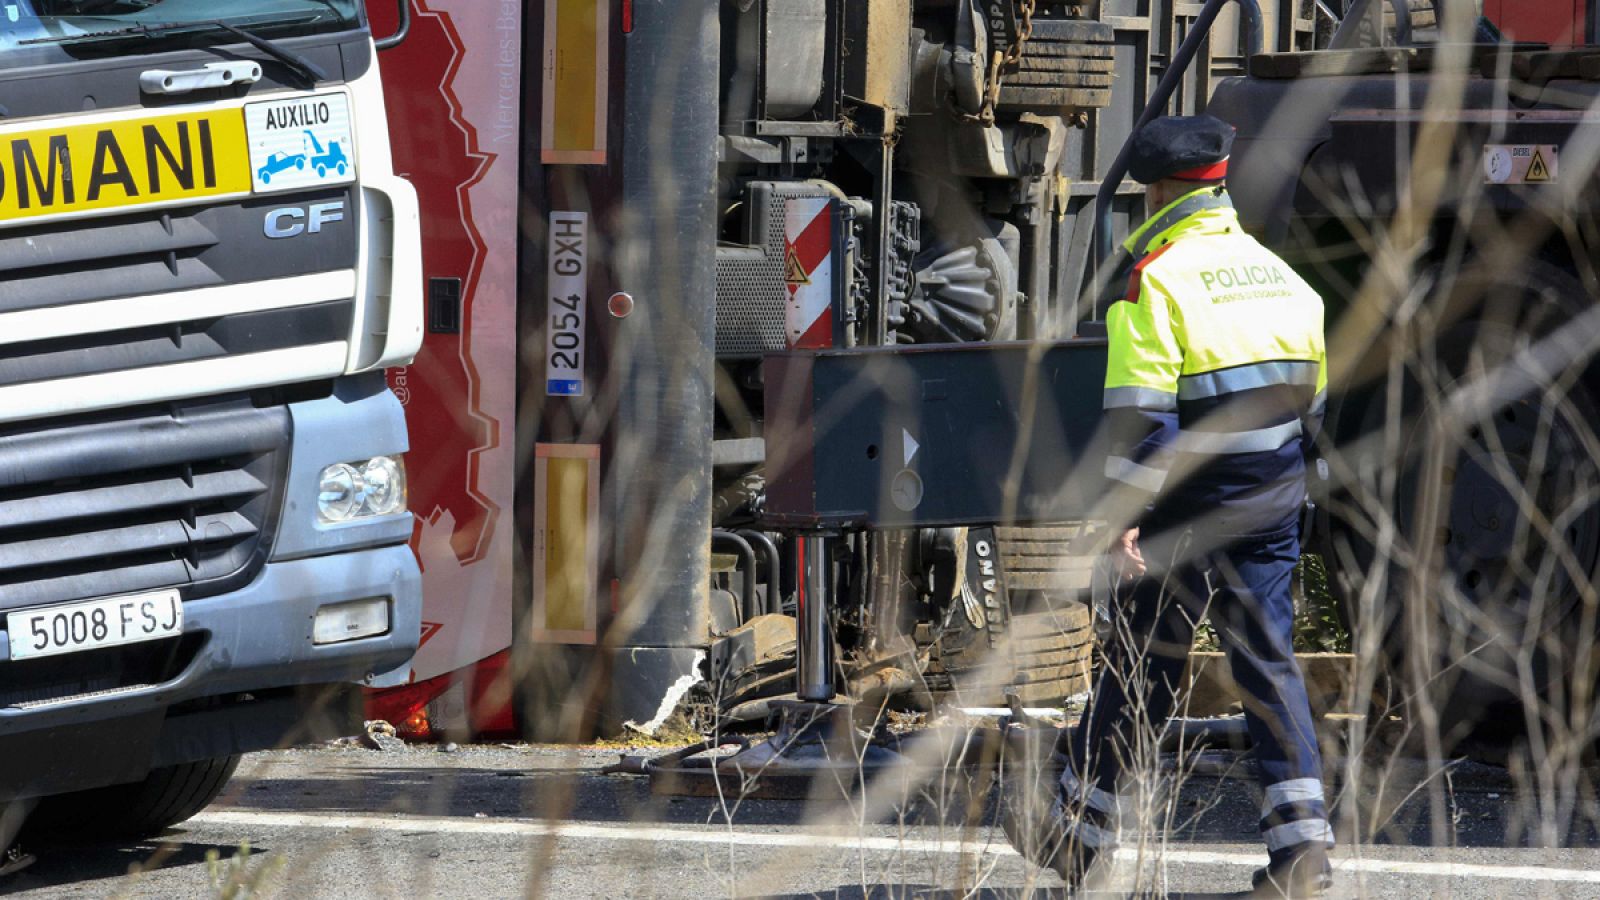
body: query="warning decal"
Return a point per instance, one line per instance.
(808, 272)
(793, 272)
(1537, 170)
(1520, 163)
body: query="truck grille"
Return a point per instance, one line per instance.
(103, 672)
(104, 505)
(59, 264)
(195, 253)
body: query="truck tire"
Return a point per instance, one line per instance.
(139, 809)
(1071, 32)
(1482, 629)
(1043, 659)
(1065, 63)
(1040, 649)
(1038, 98)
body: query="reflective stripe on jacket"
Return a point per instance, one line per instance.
(1217, 370)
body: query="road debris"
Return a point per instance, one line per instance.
(380, 735)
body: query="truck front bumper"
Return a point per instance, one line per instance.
(253, 645)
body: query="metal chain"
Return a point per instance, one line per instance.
(1024, 31)
(999, 60)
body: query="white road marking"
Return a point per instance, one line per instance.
(533, 828)
(1038, 712)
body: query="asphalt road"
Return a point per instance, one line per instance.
(513, 820)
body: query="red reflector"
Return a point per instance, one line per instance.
(627, 16)
(416, 726)
(620, 305)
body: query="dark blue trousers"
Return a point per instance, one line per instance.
(1242, 585)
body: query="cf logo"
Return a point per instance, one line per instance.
(291, 221)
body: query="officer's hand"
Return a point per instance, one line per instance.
(1125, 554)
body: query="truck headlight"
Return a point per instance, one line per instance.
(385, 481)
(355, 490)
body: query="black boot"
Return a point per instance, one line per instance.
(1036, 819)
(15, 860)
(1306, 875)
(13, 813)
(1050, 842)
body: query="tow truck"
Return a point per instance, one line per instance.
(203, 517)
(330, 158)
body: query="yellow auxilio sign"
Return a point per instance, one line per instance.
(52, 171)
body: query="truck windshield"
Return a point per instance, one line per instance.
(25, 21)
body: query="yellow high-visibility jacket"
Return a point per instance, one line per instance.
(1217, 373)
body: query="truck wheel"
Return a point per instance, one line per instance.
(1039, 647)
(1486, 632)
(1043, 658)
(140, 809)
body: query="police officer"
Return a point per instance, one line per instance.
(1215, 384)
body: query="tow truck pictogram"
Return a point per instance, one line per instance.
(331, 157)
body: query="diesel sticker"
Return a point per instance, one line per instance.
(1519, 163)
(300, 142)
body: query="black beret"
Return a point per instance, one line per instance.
(1188, 147)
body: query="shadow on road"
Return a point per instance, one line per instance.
(65, 866)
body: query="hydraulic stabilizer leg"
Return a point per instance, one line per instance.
(817, 744)
(814, 653)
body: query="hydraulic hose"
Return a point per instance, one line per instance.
(1250, 10)
(728, 542)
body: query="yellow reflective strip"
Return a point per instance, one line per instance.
(1295, 790)
(1292, 373)
(1292, 834)
(1158, 229)
(1139, 397)
(575, 81)
(1125, 470)
(1258, 440)
(566, 495)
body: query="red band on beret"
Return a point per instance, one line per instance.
(1214, 172)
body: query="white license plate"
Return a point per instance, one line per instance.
(70, 627)
(304, 141)
(568, 282)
